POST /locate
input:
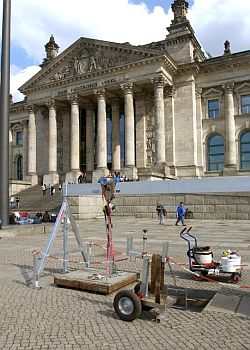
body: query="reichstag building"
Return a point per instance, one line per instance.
(163, 110)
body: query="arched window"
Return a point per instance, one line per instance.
(19, 168)
(245, 151)
(215, 148)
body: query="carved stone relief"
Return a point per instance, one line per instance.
(87, 60)
(150, 132)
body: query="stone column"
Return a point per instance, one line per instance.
(200, 157)
(169, 104)
(25, 148)
(129, 130)
(230, 149)
(116, 147)
(101, 147)
(32, 175)
(160, 150)
(101, 130)
(52, 177)
(90, 150)
(74, 173)
(141, 133)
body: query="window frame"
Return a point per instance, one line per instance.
(19, 140)
(241, 106)
(244, 152)
(213, 110)
(209, 154)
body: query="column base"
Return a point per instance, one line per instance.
(98, 173)
(51, 179)
(32, 178)
(189, 171)
(131, 172)
(158, 172)
(72, 176)
(230, 170)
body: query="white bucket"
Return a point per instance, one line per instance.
(203, 257)
(230, 263)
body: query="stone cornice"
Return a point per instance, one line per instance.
(18, 107)
(171, 66)
(225, 62)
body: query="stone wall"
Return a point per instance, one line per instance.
(205, 206)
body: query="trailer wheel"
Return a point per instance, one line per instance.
(235, 278)
(127, 305)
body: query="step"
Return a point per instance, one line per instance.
(229, 304)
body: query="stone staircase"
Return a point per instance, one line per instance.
(32, 200)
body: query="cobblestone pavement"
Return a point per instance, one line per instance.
(58, 318)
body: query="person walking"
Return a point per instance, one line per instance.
(180, 214)
(161, 212)
(12, 201)
(44, 188)
(52, 190)
(17, 202)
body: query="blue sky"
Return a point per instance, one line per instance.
(134, 21)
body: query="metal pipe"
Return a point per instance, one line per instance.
(4, 114)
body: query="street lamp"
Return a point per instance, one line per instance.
(4, 114)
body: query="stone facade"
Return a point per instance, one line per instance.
(153, 111)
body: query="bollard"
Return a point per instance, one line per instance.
(35, 272)
(145, 238)
(89, 253)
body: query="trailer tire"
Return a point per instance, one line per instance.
(235, 278)
(127, 305)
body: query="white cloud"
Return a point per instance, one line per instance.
(33, 21)
(216, 21)
(18, 77)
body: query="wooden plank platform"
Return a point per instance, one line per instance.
(95, 280)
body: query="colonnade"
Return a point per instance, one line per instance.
(101, 140)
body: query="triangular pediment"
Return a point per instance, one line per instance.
(86, 57)
(212, 92)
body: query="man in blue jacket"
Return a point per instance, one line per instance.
(180, 214)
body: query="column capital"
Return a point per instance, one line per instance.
(73, 98)
(228, 87)
(31, 108)
(158, 82)
(100, 93)
(51, 104)
(114, 100)
(198, 92)
(127, 88)
(169, 91)
(88, 105)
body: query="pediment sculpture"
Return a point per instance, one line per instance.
(87, 60)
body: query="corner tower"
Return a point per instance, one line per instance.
(181, 42)
(51, 49)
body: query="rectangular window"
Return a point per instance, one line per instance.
(213, 108)
(245, 104)
(19, 138)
